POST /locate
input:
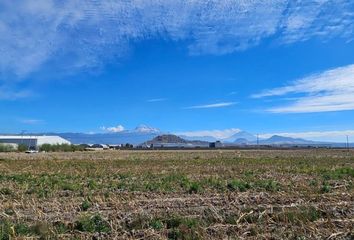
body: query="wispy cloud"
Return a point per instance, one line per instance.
(214, 105)
(8, 93)
(157, 100)
(324, 19)
(118, 128)
(82, 34)
(232, 93)
(331, 90)
(32, 121)
(218, 134)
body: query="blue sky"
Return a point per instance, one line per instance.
(191, 67)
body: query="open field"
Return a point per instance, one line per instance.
(285, 194)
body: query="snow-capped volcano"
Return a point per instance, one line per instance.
(142, 128)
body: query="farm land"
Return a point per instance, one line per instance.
(199, 194)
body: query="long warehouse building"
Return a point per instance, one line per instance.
(32, 142)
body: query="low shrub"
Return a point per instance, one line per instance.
(92, 223)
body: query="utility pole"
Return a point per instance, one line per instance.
(22, 133)
(257, 141)
(29, 142)
(348, 147)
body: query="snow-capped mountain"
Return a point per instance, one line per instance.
(144, 133)
(140, 134)
(142, 128)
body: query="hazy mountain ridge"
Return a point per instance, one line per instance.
(140, 134)
(241, 135)
(246, 138)
(145, 134)
(276, 139)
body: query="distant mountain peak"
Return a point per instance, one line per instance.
(277, 139)
(241, 135)
(174, 140)
(142, 128)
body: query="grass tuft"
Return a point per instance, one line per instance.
(92, 223)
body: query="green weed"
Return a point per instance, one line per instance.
(92, 223)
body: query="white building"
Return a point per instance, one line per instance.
(32, 142)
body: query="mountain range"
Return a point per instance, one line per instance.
(143, 134)
(138, 135)
(275, 140)
(246, 138)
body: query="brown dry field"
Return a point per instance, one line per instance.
(219, 194)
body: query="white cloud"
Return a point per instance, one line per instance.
(80, 34)
(214, 105)
(332, 90)
(32, 121)
(218, 134)
(315, 135)
(319, 18)
(156, 100)
(116, 129)
(232, 93)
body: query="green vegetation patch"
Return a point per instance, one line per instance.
(11, 230)
(338, 173)
(299, 215)
(92, 223)
(183, 228)
(238, 185)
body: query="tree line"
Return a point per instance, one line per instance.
(42, 148)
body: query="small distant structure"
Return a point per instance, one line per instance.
(114, 146)
(84, 145)
(216, 144)
(99, 147)
(145, 146)
(32, 142)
